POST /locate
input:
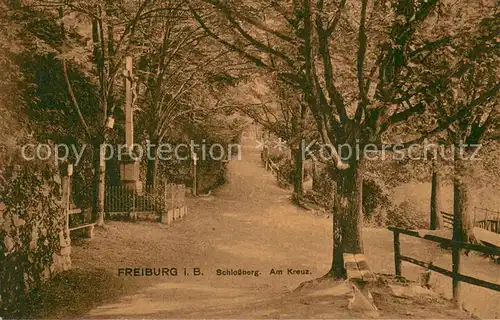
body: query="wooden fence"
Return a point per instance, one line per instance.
(447, 219)
(273, 167)
(269, 163)
(120, 200)
(456, 246)
(488, 220)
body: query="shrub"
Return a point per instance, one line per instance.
(376, 203)
(285, 173)
(406, 216)
(323, 192)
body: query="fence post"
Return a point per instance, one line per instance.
(397, 254)
(266, 157)
(65, 201)
(474, 217)
(195, 175)
(497, 222)
(455, 255)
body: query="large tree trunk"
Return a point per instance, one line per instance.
(462, 217)
(435, 218)
(347, 216)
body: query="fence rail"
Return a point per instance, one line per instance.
(269, 163)
(447, 219)
(273, 167)
(490, 220)
(490, 225)
(456, 246)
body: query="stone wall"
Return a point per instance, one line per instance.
(34, 245)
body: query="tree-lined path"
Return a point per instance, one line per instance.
(248, 224)
(395, 80)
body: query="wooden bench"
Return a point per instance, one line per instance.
(359, 276)
(89, 229)
(357, 268)
(74, 211)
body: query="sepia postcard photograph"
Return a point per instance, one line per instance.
(249, 159)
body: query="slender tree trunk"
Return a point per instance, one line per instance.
(99, 184)
(435, 219)
(315, 175)
(462, 217)
(347, 216)
(152, 168)
(265, 155)
(100, 163)
(297, 120)
(101, 190)
(298, 166)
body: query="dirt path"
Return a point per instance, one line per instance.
(248, 224)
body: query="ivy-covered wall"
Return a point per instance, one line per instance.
(33, 243)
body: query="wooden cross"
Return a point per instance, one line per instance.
(195, 182)
(129, 169)
(129, 112)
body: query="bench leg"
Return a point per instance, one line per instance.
(132, 215)
(90, 232)
(362, 299)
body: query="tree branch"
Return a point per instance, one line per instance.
(258, 62)
(74, 101)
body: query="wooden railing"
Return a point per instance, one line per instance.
(490, 223)
(273, 167)
(269, 164)
(488, 220)
(456, 247)
(447, 219)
